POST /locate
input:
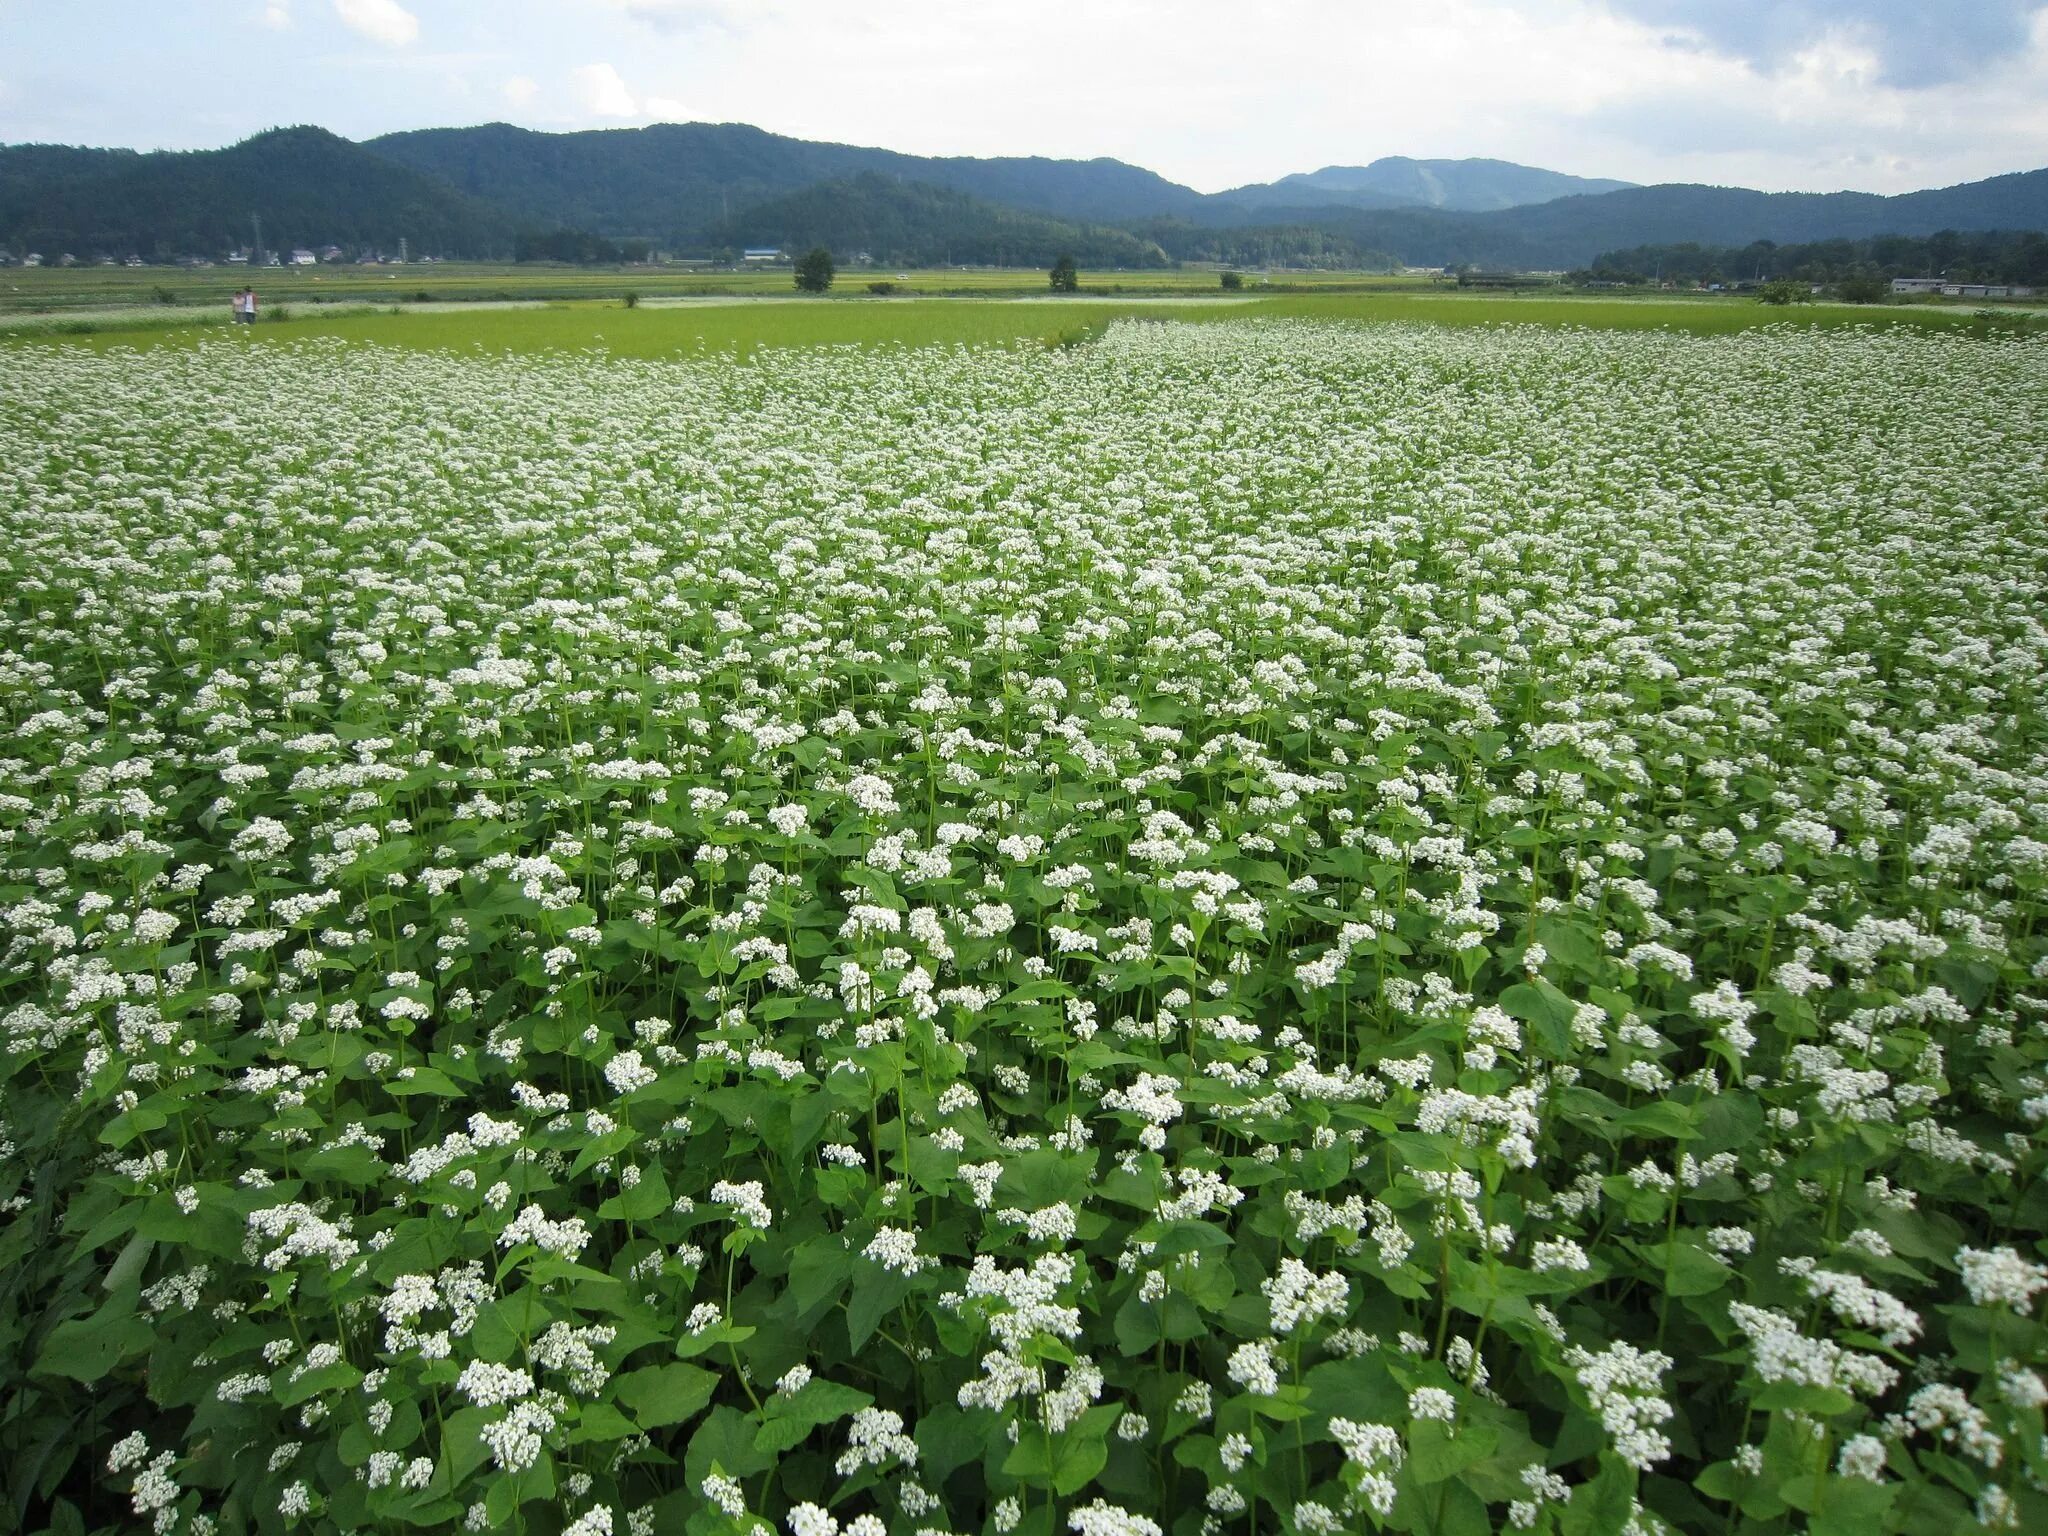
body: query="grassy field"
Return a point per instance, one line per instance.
(41, 289)
(652, 331)
(659, 328)
(1697, 314)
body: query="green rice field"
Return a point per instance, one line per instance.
(658, 328)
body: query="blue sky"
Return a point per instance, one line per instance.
(1883, 95)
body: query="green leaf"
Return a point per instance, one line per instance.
(423, 1080)
(818, 1272)
(1451, 1510)
(950, 1437)
(1065, 1462)
(726, 1440)
(1547, 1012)
(462, 1446)
(664, 1394)
(818, 1401)
(643, 1202)
(1136, 1325)
(289, 1388)
(875, 1294)
(600, 1423)
(88, 1348)
(1437, 1451)
(1601, 1507)
(1686, 1269)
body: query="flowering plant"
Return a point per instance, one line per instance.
(1251, 927)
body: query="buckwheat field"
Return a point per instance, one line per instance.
(1248, 928)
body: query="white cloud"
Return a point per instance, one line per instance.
(1587, 86)
(381, 21)
(602, 93)
(694, 15)
(277, 17)
(1649, 90)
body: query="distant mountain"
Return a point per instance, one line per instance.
(914, 223)
(1395, 181)
(1676, 212)
(676, 181)
(696, 188)
(1571, 231)
(310, 187)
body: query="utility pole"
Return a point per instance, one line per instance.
(403, 255)
(256, 251)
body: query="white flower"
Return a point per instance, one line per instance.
(1104, 1519)
(1999, 1277)
(895, 1248)
(625, 1072)
(1251, 1367)
(1432, 1403)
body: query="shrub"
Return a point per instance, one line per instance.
(1785, 291)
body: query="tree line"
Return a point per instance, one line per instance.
(1994, 256)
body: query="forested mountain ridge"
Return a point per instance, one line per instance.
(307, 185)
(702, 189)
(1572, 231)
(899, 222)
(1395, 181)
(675, 182)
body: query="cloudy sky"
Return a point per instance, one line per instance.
(1883, 95)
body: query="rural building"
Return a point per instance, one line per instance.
(1916, 284)
(760, 253)
(301, 257)
(1986, 291)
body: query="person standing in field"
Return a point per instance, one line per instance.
(235, 307)
(248, 306)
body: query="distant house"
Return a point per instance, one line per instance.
(238, 258)
(32, 259)
(1916, 285)
(301, 257)
(132, 261)
(761, 253)
(1986, 291)
(330, 253)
